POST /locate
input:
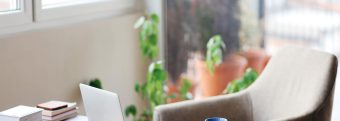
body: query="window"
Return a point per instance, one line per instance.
(8, 5)
(311, 23)
(24, 15)
(15, 12)
(58, 3)
(190, 24)
(55, 9)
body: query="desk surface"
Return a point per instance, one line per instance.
(78, 118)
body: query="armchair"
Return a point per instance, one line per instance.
(296, 85)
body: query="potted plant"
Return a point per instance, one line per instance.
(153, 90)
(251, 36)
(96, 83)
(242, 83)
(257, 58)
(217, 71)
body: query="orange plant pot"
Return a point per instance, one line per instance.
(213, 84)
(172, 89)
(257, 59)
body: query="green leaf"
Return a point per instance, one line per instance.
(153, 52)
(147, 113)
(153, 39)
(139, 22)
(172, 96)
(96, 83)
(231, 88)
(185, 88)
(131, 110)
(214, 54)
(144, 90)
(154, 17)
(149, 36)
(211, 67)
(147, 28)
(244, 82)
(217, 57)
(137, 87)
(156, 69)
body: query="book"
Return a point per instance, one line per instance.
(70, 106)
(66, 115)
(78, 118)
(52, 105)
(21, 113)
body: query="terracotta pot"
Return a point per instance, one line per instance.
(213, 84)
(257, 59)
(172, 89)
(266, 61)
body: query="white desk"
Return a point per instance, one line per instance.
(78, 118)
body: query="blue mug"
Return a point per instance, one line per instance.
(216, 119)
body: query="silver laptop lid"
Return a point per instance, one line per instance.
(101, 105)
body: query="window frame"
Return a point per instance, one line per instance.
(33, 17)
(109, 7)
(18, 17)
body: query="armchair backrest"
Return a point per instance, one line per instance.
(296, 82)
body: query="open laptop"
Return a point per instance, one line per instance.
(101, 105)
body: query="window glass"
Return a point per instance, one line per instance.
(311, 23)
(9, 5)
(191, 23)
(58, 3)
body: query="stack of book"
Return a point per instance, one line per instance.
(21, 113)
(58, 110)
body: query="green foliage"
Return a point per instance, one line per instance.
(214, 55)
(148, 35)
(96, 83)
(152, 90)
(240, 84)
(131, 110)
(185, 90)
(154, 86)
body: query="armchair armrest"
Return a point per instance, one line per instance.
(234, 107)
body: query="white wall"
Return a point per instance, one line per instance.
(48, 64)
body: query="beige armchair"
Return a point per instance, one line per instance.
(296, 85)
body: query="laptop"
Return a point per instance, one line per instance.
(101, 105)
